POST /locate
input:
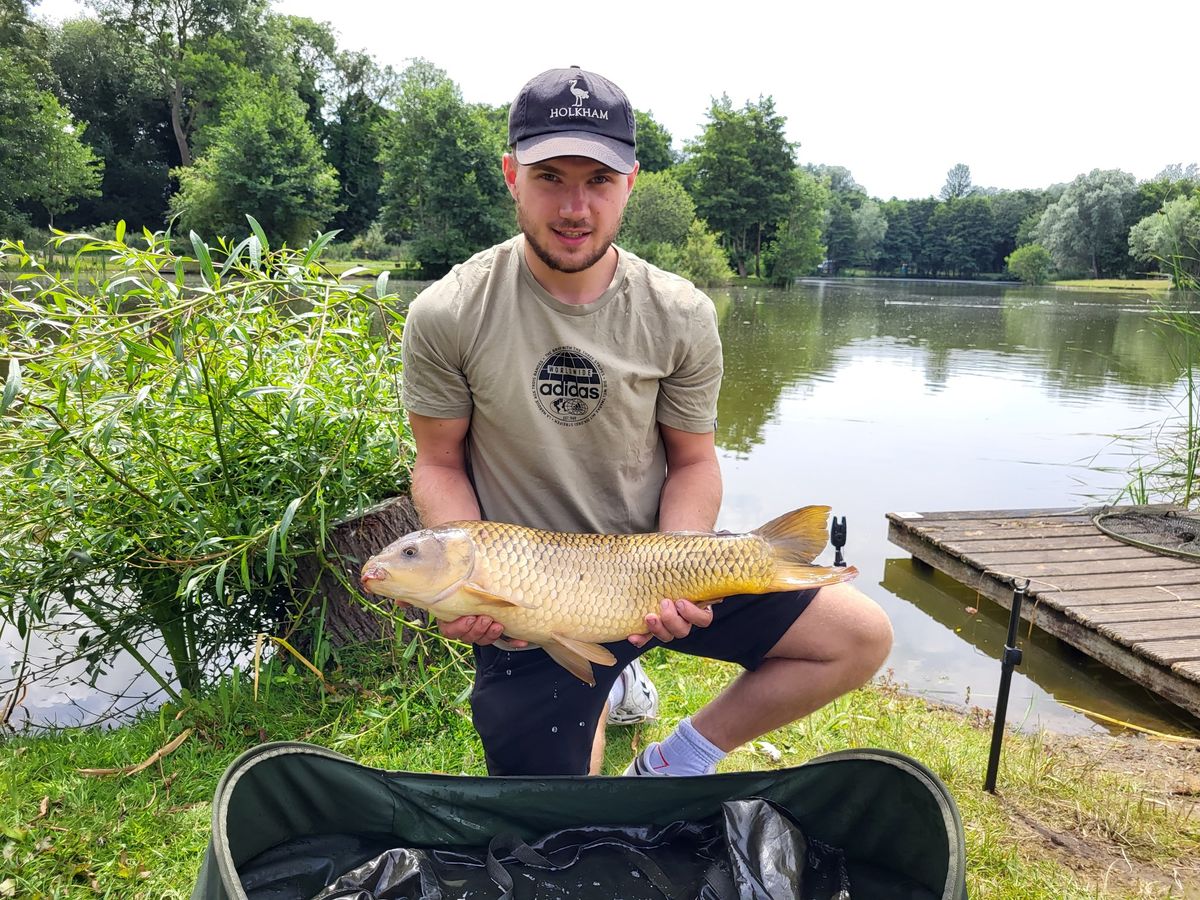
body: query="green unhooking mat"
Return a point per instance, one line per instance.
(297, 822)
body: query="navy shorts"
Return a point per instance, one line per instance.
(536, 718)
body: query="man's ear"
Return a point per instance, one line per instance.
(631, 178)
(510, 165)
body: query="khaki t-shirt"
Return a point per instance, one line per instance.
(564, 400)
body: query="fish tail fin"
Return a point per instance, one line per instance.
(796, 538)
(801, 577)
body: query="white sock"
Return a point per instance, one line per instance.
(685, 751)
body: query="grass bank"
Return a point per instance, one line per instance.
(1143, 285)
(1064, 824)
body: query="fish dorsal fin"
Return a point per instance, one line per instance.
(571, 661)
(797, 537)
(487, 596)
(589, 651)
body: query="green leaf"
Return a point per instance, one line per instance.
(120, 235)
(259, 233)
(12, 385)
(272, 543)
(318, 245)
(246, 569)
(206, 264)
(220, 590)
(381, 284)
(234, 255)
(256, 249)
(286, 522)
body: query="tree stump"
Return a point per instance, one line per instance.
(348, 620)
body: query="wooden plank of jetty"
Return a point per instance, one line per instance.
(1136, 611)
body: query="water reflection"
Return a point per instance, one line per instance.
(884, 396)
(1068, 341)
(1049, 670)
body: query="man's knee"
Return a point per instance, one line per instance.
(841, 625)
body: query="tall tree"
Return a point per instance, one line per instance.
(958, 183)
(1087, 228)
(659, 211)
(797, 248)
(442, 185)
(870, 227)
(263, 159)
(186, 40)
(1170, 237)
(108, 83)
(42, 161)
(654, 151)
(353, 138)
(839, 230)
(741, 167)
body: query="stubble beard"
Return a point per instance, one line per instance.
(558, 264)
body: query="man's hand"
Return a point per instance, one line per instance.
(675, 620)
(481, 630)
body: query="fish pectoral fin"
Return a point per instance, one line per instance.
(571, 661)
(487, 596)
(589, 651)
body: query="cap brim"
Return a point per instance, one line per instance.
(617, 155)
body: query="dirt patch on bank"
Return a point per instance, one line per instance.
(1166, 775)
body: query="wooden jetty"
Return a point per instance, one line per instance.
(1136, 611)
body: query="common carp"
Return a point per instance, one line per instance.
(569, 593)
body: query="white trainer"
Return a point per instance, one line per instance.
(640, 702)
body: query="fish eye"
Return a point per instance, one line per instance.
(410, 550)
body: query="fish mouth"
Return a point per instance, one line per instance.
(372, 572)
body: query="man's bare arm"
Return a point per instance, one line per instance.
(442, 493)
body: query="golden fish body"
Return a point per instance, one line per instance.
(568, 593)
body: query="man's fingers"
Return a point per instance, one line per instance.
(482, 630)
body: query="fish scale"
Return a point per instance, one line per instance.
(599, 586)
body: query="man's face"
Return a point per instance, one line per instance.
(569, 208)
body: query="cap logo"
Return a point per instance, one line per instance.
(578, 110)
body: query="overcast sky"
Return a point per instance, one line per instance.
(1027, 93)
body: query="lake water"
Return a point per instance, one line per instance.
(884, 396)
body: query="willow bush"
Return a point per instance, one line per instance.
(180, 432)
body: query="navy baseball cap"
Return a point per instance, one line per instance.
(570, 112)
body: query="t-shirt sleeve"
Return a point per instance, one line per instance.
(433, 380)
(687, 398)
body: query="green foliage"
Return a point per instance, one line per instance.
(797, 248)
(1086, 229)
(262, 160)
(42, 161)
(699, 258)
(353, 140)
(1171, 238)
(654, 151)
(108, 82)
(1030, 263)
(442, 184)
(870, 228)
(174, 445)
(659, 211)
(740, 174)
(195, 47)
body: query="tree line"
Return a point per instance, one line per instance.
(198, 112)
